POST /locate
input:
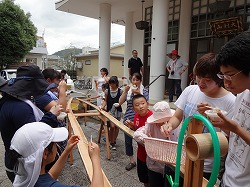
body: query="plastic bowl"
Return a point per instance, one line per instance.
(212, 114)
(61, 116)
(134, 87)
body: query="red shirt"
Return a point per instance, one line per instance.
(140, 121)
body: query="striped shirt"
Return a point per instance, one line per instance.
(129, 114)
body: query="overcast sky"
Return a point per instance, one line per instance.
(62, 30)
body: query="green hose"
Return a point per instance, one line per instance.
(216, 147)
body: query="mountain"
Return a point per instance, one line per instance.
(65, 53)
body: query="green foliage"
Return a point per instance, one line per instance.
(66, 53)
(17, 33)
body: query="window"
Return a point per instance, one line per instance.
(173, 22)
(87, 62)
(31, 60)
(201, 15)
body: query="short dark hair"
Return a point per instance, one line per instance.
(137, 97)
(64, 71)
(114, 80)
(105, 86)
(105, 70)
(137, 75)
(236, 53)
(207, 66)
(134, 50)
(51, 74)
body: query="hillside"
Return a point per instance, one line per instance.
(66, 52)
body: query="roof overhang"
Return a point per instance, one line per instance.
(90, 8)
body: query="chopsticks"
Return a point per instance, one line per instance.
(86, 142)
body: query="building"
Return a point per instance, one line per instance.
(37, 55)
(193, 27)
(53, 61)
(87, 62)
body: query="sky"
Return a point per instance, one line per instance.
(63, 30)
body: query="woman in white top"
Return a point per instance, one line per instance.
(101, 80)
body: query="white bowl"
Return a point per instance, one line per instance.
(61, 116)
(212, 114)
(116, 104)
(134, 87)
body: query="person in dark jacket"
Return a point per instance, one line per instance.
(17, 107)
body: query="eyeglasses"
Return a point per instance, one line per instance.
(227, 77)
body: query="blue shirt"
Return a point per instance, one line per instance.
(46, 180)
(43, 101)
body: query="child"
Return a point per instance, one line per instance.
(112, 96)
(140, 106)
(101, 95)
(98, 84)
(128, 94)
(33, 148)
(234, 62)
(161, 114)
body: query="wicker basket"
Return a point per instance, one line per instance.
(163, 150)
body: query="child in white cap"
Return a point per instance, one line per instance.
(161, 114)
(33, 147)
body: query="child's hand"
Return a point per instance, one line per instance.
(202, 107)
(126, 89)
(94, 151)
(136, 91)
(225, 123)
(116, 105)
(56, 109)
(73, 140)
(62, 86)
(130, 124)
(166, 129)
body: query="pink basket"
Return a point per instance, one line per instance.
(163, 150)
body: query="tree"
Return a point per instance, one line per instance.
(17, 33)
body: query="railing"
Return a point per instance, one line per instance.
(147, 87)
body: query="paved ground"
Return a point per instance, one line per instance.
(76, 174)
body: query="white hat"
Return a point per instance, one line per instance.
(161, 113)
(30, 141)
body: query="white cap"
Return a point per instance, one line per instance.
(30, 141)
(161, 113)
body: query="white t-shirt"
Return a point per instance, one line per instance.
(237, 165)
(192, 96)
(176, 66)
(100, 81)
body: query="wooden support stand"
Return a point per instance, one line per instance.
(194, 169)
(82, 146)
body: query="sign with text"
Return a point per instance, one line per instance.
(225, 27)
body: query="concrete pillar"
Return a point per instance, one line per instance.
(104, 36)
(158, 48)
(128, 41)
(184, 36)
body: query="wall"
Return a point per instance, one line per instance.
(38, 57)
(138, 35)
(117, 50)
(116, 67)
(88, 70)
